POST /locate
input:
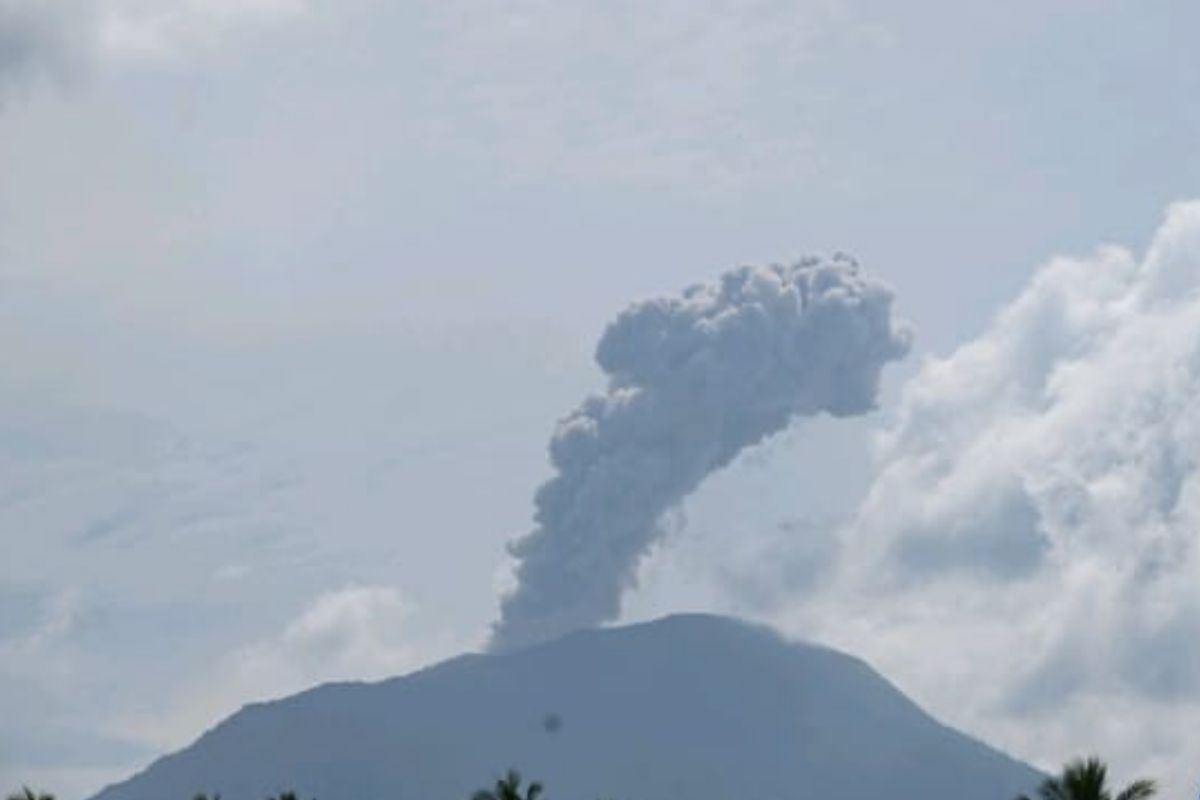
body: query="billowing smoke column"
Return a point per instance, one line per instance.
(693, 381)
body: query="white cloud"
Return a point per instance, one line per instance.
(358, 632)
(66, 737)
(1027, 560)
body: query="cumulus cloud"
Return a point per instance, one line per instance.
(353, 633)
(693, 381)
(357, 632)
(1039, 498)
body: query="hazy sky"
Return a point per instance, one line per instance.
(292, 293)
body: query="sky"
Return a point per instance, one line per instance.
(294, 292)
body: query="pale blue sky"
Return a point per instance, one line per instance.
(293, 291)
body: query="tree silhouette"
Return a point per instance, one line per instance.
(281, 796)
(28, 794)
(509, 788)
(1086, 779)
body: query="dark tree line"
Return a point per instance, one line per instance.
(1084, 779)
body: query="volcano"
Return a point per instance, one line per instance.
(690, 707)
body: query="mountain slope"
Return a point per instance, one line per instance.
(693, 707)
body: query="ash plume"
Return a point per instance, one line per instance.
(693, 381)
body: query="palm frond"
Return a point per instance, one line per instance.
(1138, 790)
(1087, 779)
(28, 794)
(1053, 789)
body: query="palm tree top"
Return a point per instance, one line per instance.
(509, 788)
(28, 794)
(1087, 779)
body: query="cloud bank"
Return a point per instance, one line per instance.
(693, 381)
(1035, 514)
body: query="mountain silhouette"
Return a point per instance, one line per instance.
(689, 707)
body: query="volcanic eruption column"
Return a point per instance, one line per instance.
(692, 381)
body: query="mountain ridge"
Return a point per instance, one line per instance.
(691, 705)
